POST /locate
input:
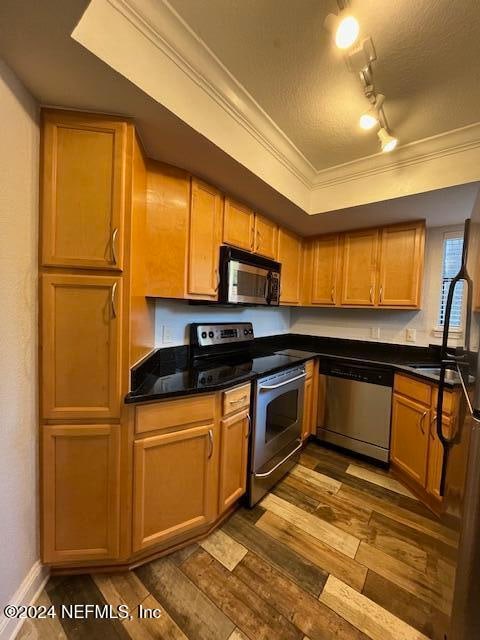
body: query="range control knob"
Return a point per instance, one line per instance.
(210, 334)
(204, 334)
(245, 332)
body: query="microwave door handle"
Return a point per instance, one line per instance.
(268, 287)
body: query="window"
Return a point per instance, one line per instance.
(451, 262)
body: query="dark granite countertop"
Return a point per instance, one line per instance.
(171, 372)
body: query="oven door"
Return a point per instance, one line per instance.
(278, 414)
(248, 284)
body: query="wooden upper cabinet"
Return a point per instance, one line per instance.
(167, 220)
(401, 265)
(84, 166)
(175, 484)
(290, 257)
(238, 225)
(410, 435)
(81, 502)
(325, 270)
(360, 253)
(81, 340)
(205, 235)
(266, 237)
(234, 432)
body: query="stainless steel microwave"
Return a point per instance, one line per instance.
(248, 279)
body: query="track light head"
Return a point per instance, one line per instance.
(371, 118)
(387, 141)
(344, 27)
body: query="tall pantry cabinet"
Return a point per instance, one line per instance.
(94, 324)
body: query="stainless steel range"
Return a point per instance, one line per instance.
(227, 352)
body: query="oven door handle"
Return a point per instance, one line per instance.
(279, 464)
(269, 387)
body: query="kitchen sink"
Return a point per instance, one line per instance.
(451, 375)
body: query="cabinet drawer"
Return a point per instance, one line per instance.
(236, 399)
(174, 413)
(413, 389)
(309, 368)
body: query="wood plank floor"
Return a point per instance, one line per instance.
(338, 550)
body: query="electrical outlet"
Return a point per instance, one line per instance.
(167, 335)
(411, 335)
(375, 333)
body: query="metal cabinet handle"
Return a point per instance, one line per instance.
(332, 294)
(381, 294)
(210, 443)
(217, 277)
(114, 245)
(249, 430)
(371, 295)
(112, 299)
(269, 473)
(434, 419)
(268, 387)
(421, 422)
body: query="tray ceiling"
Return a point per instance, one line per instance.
(428, 67)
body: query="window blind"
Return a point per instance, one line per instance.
(452, 258)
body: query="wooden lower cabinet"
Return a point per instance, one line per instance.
(234, 433)
(175, 484)
(80, 490)
(410, 433)
(416, 450)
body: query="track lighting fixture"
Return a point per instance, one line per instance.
(344, 27)
(387, 141)
(345, 30)
(371, 118)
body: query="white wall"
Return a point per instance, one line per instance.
(20, 572)
(175, 315)
(357, 323)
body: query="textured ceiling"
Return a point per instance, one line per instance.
(428, 66)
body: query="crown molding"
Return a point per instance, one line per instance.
(175, 67)
(455, 141)
(165, 28)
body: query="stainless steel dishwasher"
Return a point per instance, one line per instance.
(358, 407)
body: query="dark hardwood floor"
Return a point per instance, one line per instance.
(338, 550)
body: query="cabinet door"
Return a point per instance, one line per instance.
(435, 458)
(83, 190)
(325, 268)
(410, 433)
(233, 458)
(80, 497)
(175, 489)
(266, 237)
(238, 225)
(401, 265)
(81, 340)
(290, 257)
(204, 241)
(359, 268)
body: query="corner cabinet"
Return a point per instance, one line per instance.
(84, 165)
(205, 236)
(80, 490)
(290, 257)
(410, 432)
